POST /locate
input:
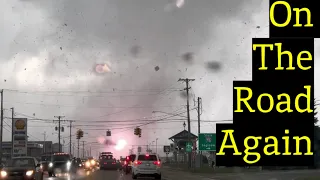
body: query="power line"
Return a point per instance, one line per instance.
(125, 109)
(100, 107)
(119, 122)
(95, 121)
(112, 90)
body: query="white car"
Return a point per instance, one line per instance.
(146, 165)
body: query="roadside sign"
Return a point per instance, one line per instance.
(188, 147)
(207, 142)
(19, 134)
(166, 149)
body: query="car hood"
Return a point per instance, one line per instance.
(10, 169)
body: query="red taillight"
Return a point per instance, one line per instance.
(156, 163)
(137, 162)
(128, 158)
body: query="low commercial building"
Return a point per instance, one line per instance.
(34, 148)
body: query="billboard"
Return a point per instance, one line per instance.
(20, 138)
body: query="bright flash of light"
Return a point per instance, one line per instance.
(120, 144)
(179, 3)
(101, 140)
(102, 68)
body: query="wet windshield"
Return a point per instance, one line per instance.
(121, 77)
(107, 157)
(22, 162)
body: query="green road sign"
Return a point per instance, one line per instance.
(188, 147)
(207, 142)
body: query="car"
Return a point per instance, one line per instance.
(76, 164)
(146, 165)
(22, 168)
(44, 161)
(60, 164)
(94, 164)
(87, 165)
(127, 164)
(108, 162)
(83, 162)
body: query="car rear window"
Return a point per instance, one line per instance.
(108, 157)
(61, 158)
(147, 158)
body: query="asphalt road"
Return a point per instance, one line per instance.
(271, 175)
(95, 175)
(175, 175)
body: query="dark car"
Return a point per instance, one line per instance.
(60, 164)
(44, 161)
(22, 168)
(127, 166)
(76, 164)
(108, 162)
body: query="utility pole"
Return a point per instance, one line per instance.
(12, 125)
(1, 125)
(70, 137)
(78, 148)
(157, 146)
(188, 115)
(199, 113)
(83, 149)
(73, 150)
(44, 141)
(59, 131)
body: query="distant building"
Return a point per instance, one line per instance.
(47, 146)
(55, 147)
(35, 148)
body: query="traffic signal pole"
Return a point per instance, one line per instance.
(78, 148)
(79, 136)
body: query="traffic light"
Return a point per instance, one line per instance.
(79, 134)
(108, 133)
(139, 132)
(136, 131)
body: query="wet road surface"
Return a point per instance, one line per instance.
(176, 175)
(96, 175)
